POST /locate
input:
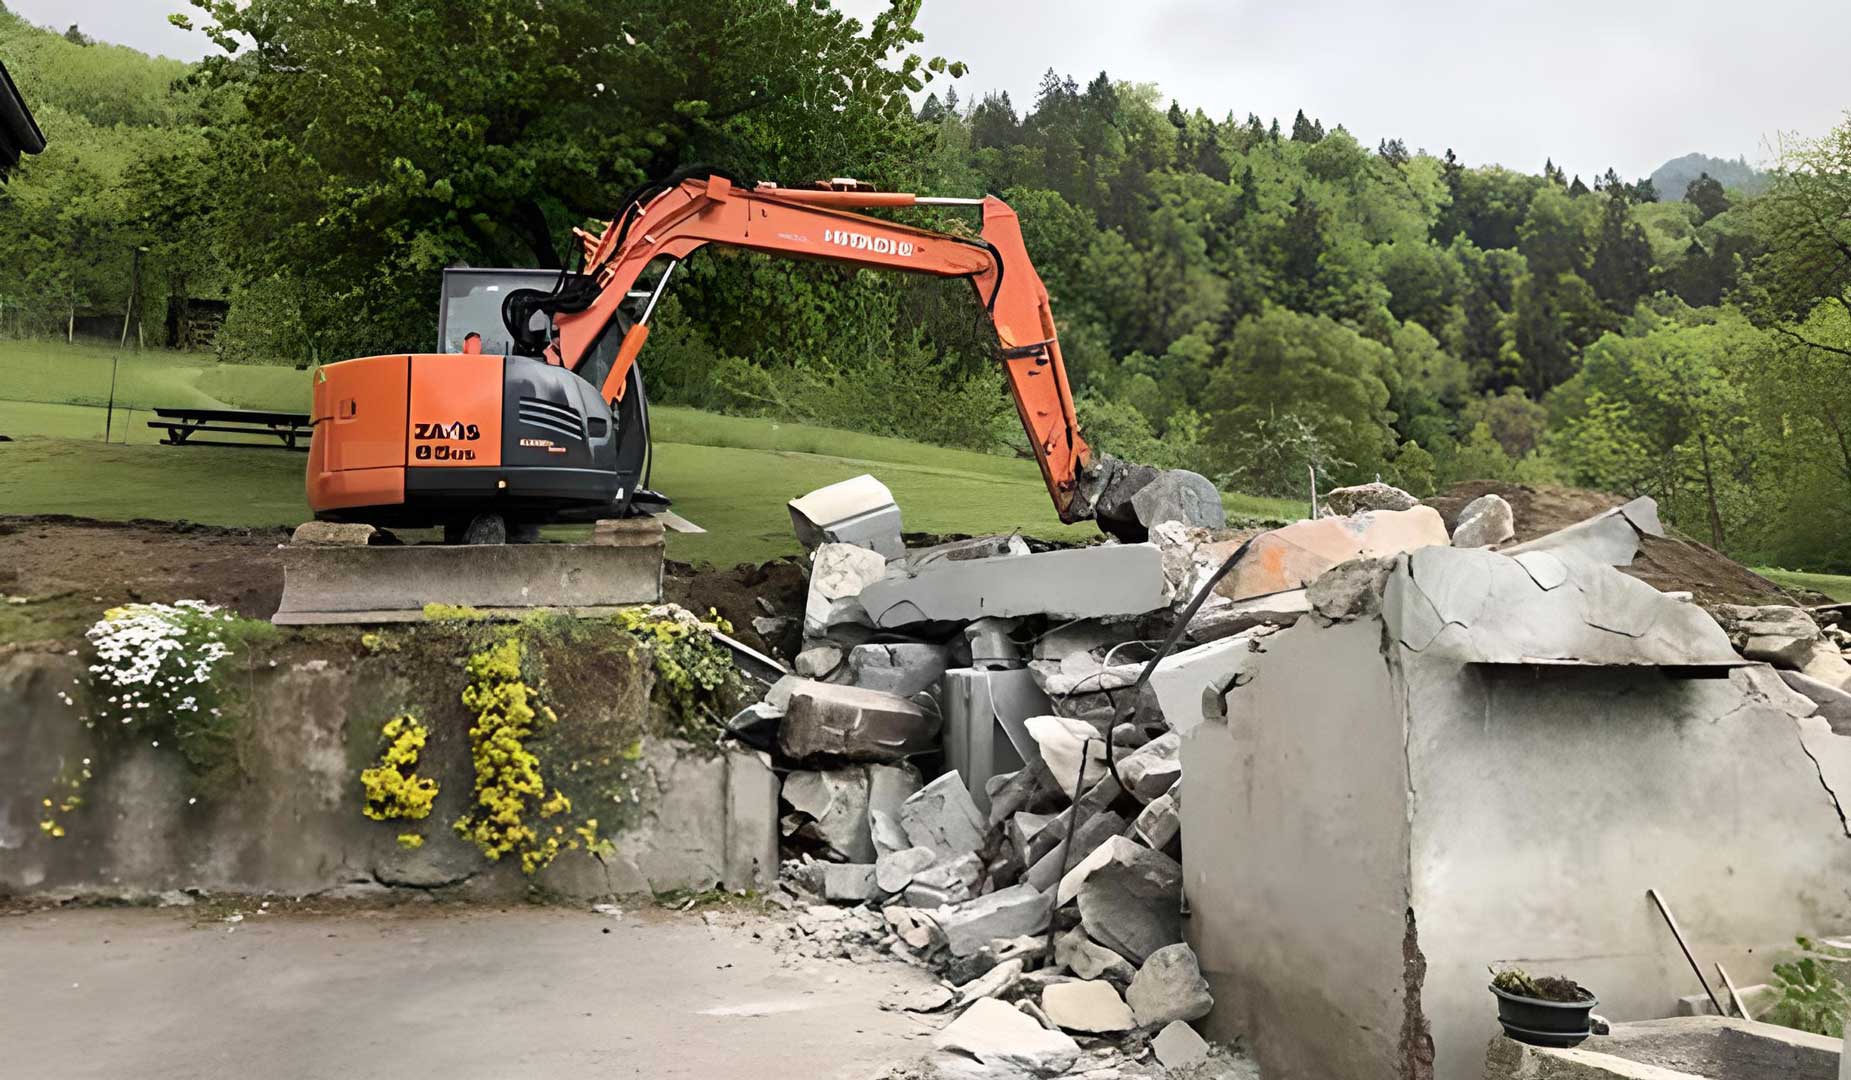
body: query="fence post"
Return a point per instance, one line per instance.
(110, 415)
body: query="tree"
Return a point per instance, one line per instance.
(1622, 265)
(1707, 195)
(1306, 131)
(1804, 223)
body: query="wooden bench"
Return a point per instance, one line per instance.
(293, 429)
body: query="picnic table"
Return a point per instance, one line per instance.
(293, 429)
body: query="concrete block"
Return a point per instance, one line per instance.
(1075, 583)
(1345, 501)
(333, 534)
(889, 786)
(903, 668)
(1169, 987)
(1130, 898)
(992, 644)
(818, 661)
(1485, 521)
(971, 926)
(1611, 538)
(941, 816)
(858, 511)
(1062, 743)
(751, 822)
(1024, 827)
(838, 575)
(1151, 769)
(853, 724)
(1178, 1046)
(956, 878)
(1088, 1006)
(1833, 704)
(1078, 953)
(627, 532)
(850, 882)
(985, 723)
(1181, 678)
(1005, 1038)
(1160, 823)
(1350, 590)
(1221, 618)
(1047, 871)
(1294, 556)
(894, 871)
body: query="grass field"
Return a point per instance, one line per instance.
(732, 475)
(1836, 586)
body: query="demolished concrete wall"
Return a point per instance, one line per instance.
(1492, 769)
(292, 821)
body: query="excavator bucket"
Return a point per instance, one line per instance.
(358, 584)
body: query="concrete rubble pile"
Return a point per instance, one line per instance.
(978, 784)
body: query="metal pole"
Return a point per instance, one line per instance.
(134, 287)
(1679, 935)
(1734, 994)
(110, 415)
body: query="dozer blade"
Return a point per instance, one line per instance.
(338, 585)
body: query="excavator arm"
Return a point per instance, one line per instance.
(674, 222)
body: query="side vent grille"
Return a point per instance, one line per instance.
(552, 416)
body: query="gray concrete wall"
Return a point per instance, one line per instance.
(291, 821)
(1548, 800)
(1295, 857)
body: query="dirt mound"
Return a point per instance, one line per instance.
(1674, 563)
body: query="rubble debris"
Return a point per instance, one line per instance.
(1228, 618)
(847, 722)
(1294, 556)
(849, 881)
(912, 926)
(1179, 679)
(838, 575)
(858, 511)
(756, 725)
(1001, 1035)
(1787, 638)
(831, 809)
(903, 668)
(1485, 521)
(992, 983)
(1095, 829)
(889, 786)
(1345, 501)
(1169, 987)
(1160, 823)
(818, 661)
(894, 871)
(919, 999)
(1350, 590)
(1153, 768)
(992, 644)
(332, 534)
(942, 817)
(1130, 899)
(1178, 1046)
(1181, 496)
(1062, 742)
(1088, 1006)
(1077, 953)
(985, 724)
(1073, 583)
(1832, 703)
(1028, 788)
(955, 878)
(972, 925)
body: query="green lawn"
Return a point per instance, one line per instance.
(1836, 586)
(731, 475)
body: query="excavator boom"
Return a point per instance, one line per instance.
(822, 224)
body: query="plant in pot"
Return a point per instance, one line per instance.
(1550, 1011)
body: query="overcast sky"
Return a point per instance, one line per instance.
(1591, 83)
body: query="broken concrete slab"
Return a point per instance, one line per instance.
(1160, 823)
(1095, 829)
(1078, 953)
(1786, 637)
(1005, 1037)
(836, 803)
(992, 644)
(902, 668)
(1131, 902)
(1029, 788)
(969, 927)
(1179, 495)
(1181, 678)
(1024, 828)
(1178, 1046)
(858, 511)
(838, 575)
(1294, 556)
(889, 786)
(993, 983)
(1479, 606)
(1073, 583)
(1832, 703)
(332, 534)
(941, 816)
(894, 872)
(1357, 498)
(1350, 590)
(955, 878)
(1169, 987)
(757, 725)
(1062, 743)
(1222, 618)
(1485, 521)
(1087, 1006)
(915, 928)
(847, 722)
(1151, 769)
(1611, 538)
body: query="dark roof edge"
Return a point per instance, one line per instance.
(16, 119)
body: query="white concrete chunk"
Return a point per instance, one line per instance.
(858, 511)
(1062, 740)
(942, 816)
(1169, 987)
(1178, 1046)
(1088, 1006)
(1075, 583)
(838, 575)
(1011, 912)
(1005, 1037)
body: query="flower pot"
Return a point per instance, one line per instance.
(1544, 1023)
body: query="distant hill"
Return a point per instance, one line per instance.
(1675, 175)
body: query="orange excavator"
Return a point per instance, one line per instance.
(557, 429)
